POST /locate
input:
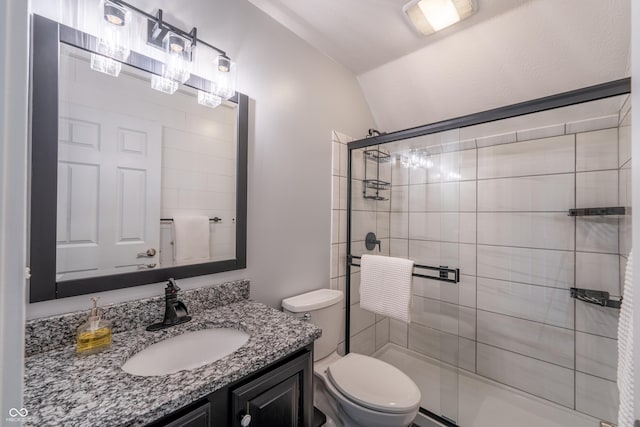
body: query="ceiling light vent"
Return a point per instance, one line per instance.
(429, 16)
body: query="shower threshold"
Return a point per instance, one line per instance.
(481, 402)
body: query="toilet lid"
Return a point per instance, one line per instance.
(374, 384)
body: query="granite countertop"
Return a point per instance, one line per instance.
(64, 389)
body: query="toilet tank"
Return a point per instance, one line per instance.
(323, 308)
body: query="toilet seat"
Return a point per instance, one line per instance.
(374, 384)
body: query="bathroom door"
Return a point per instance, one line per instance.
(108, 190)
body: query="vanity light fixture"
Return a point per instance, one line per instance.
(178, 46)
(208, 99)
(164, 84)
(114, 14)
(429, 16)
(115, 31)
(114, 38)
(224, 63)
(177, 61)
(105, 65)
(224, 78)
(416, 159)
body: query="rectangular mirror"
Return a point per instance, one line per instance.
(123, 175)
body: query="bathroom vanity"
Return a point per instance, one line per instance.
(269, 376)
(278, 395)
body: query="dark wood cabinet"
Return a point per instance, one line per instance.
(274, 399)
(277, 405)
(280, 394)
(199, 417)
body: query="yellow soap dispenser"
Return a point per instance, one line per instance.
(95, 334)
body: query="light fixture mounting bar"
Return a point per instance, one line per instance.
(157, 29)
(165, 26)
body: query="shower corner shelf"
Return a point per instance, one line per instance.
(376, 184)
(595, 297)
(377, 155)
(372, 179)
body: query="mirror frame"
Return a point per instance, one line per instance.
(46, 38)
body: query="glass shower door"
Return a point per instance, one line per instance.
(534, 212)
(425, 226)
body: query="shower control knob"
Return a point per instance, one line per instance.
(245, 420)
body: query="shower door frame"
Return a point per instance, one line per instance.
(564, 99)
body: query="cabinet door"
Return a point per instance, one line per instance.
(200, 417)
(275, 406)
(281, 397)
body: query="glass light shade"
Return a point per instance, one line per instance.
(177, 61)
(428, 163)
(429, 16)
(105, 65)
(114, 38)
(208, 99)
(416, 159)
(225, 81)
(404, 160)
(453, 176)
(224, 63)
(163, 84)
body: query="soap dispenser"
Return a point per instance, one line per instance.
(95, 334)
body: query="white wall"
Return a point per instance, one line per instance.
(13, 157)
(298, 97)
(540, 48)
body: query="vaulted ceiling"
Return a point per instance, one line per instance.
(364, 34)
(510, 51)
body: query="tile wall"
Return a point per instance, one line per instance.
(499, 212)
(199, 173)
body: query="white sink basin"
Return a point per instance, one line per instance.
(184, 352)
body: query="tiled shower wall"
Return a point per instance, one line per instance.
(511, 318)
(499, 212)
(624, 162)
(369, 332)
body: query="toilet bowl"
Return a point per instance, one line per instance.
(354, 390)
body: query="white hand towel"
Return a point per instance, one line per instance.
(625, 351)
(191, 238)
(385, 286)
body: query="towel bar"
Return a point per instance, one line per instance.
(443, 271)
(595, 297)
(615, 210)
(216, 219)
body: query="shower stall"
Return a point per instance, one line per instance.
(518, 221)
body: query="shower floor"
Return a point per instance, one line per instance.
(481, 402)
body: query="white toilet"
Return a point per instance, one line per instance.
(359, 390)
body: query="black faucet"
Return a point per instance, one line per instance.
(175, 312)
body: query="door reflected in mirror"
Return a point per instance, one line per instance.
(146, 180)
